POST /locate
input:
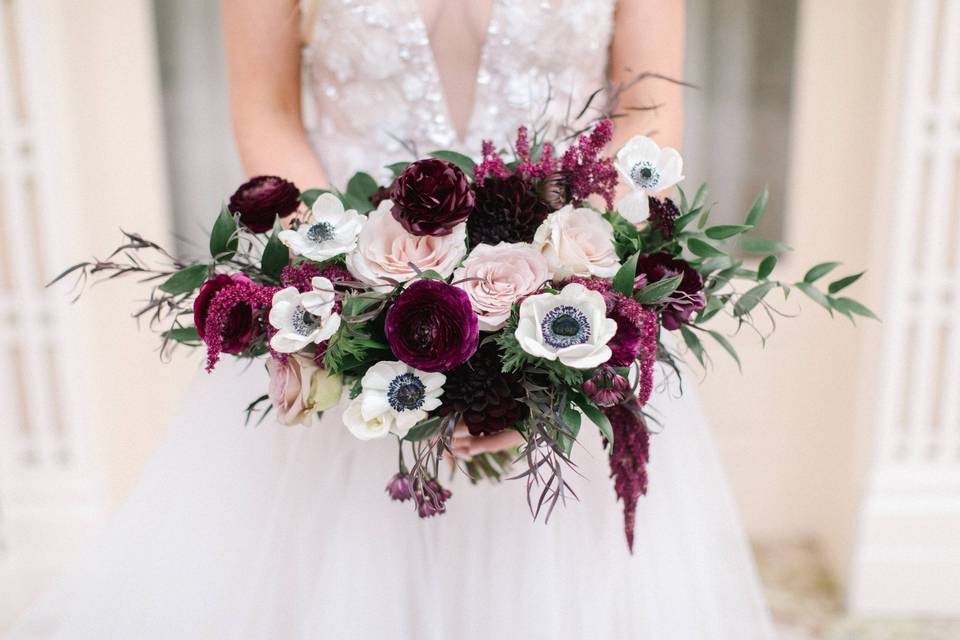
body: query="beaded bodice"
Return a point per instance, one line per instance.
(371, 70)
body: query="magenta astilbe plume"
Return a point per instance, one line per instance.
(648, 355)
(587, 171)
(526, 166)
(629, 454)
(491, 166)
(231, 317)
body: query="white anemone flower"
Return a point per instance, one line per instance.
(303, 318)
(571, 326)
(394, 397)
(332, 232)
(648, 169)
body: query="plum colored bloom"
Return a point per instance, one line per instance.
(400, 487)
(432, 326)
(385, 250)
(663, 215)
(226, 312)
(577, 242)
(687, 299)
(606, 387)
(431, 498)
(507, 210)
(570, 326)
(497, 277)
(299, 390)
(261, 199)
(431, 197)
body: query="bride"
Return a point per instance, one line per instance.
(276, 532)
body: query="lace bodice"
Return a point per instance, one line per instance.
(375, 83)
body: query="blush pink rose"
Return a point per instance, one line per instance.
(495, 277)
(299, 389)
(577, 242)
(385, 250)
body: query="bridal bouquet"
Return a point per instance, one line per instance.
(510, 294)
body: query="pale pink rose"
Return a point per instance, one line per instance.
(299, 389)
(577, 242)
(503, 274)
(386, 249)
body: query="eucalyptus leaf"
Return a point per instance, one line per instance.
(185, 280)
(362, 186)
(814, 294)
(693, 343)
(820, 270)
(624, 280)
(593, 414)
(725, 343)
(766, 267)
(184, 335)
(464, 162)
(723, 231)
(223, 236)
(843, 283)
(855, 307)
(310, 196)
(681, 223)
(424, 430)
(657, 291)
(762, 245)
(703, 249)
(757, 208)
(752, 298)
(701, 195)
(397, 168)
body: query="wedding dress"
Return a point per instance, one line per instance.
(276, 532)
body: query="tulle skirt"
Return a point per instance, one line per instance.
(285, 532)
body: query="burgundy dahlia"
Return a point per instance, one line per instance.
(487, 398)
(629, 454)
(687, 299)
(507, 210)
(432, 327)
(261, 199)
(226, 312)
(431, 197)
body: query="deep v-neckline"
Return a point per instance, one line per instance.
(434, 68)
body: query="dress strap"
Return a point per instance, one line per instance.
(309, 12)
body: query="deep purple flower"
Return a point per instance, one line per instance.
(431, 197)
(687, 299)
(606, 387)
(400, 487)
(507, 210)
(629, 454)
(432, 327)
(431, 498)
(261, 199)
(226, 312)
(663, 215)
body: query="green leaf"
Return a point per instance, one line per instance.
(594, 414)
(820, 270)
(686, 219)
(757, 208)
(223, 238)
(766, 267)
(185, 280)
(722, 339)
(351, 201)
(693, 343)
(762, 245)
(184, 335)
(568, 436)
(752, 298)
(623, 281)
(362, 186)
(723, 231)
(815, 294)
(275, 254)
(703, 249)
(683, 198)
(843, 283)
(310, 196)
(700, 196)
(851, 305)
(424, 430)
(465, 163)
(657, 291)
(397, 168)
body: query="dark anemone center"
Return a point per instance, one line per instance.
(565, 325)
(304, 322)
(406, 392)
(320, 232)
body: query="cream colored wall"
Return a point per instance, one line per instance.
(110, 164)
(794, 428)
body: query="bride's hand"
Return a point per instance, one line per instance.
(466, 446)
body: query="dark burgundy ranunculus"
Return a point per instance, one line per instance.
(240, 324)
(687, 299)
(431, 197)
(432, 326)
(261, 199)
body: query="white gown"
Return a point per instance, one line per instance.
(275, 533)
